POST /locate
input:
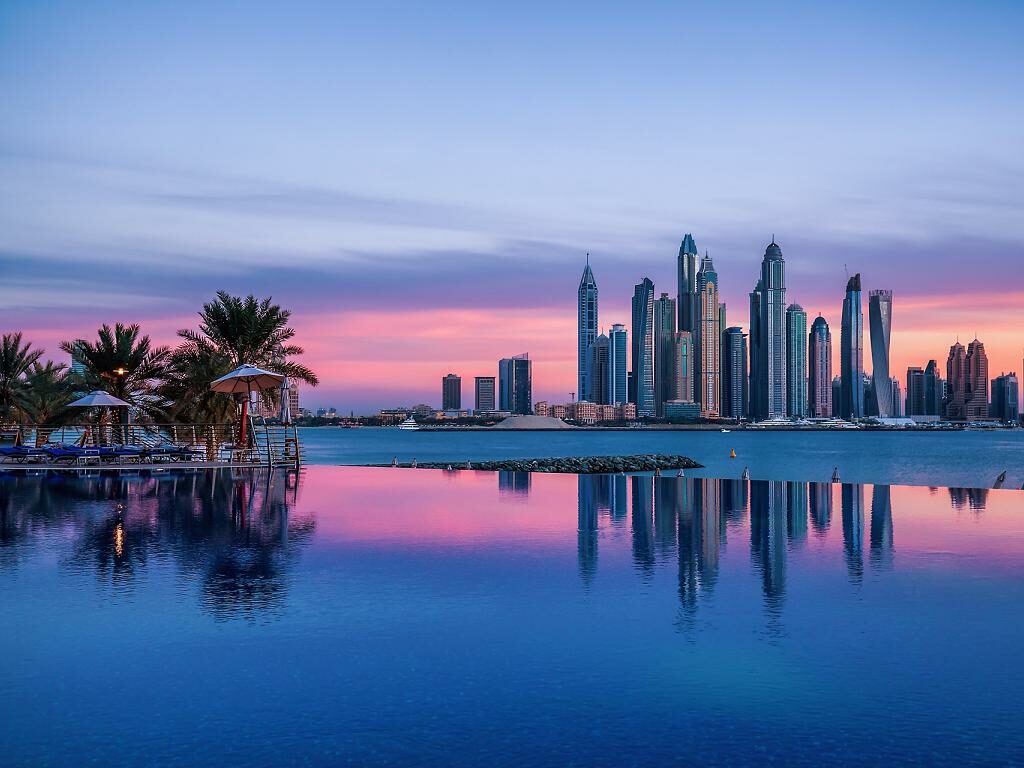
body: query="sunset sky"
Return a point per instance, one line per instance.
(419, 183)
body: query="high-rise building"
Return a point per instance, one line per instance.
(643, 347)
(956, 383)
(618, 365)
(880, 323)
(515, 384)
(976, 404)
(1005, 398)
(682, 364)
(897, 399)
(709, 340)
(484, 393)
(915, 392)
(851, 353)
(664, 358)
(687, 281)
(451, 392)
(768, 338)
(819, 370)
(837, 388)
(599, 354)
(796, 361)
(934, 389)
(734, 374)
(587, 331)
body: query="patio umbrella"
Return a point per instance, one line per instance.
(286, 408)
(98, 399)
(245, 380)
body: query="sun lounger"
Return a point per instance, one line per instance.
(70, 453)
(21, 454)
(120, 453)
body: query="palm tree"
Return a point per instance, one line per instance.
(186, 389)
(45, 398)
(15, 361)
(251, 331)
(122, 363)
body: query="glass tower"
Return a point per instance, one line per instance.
(851, 388)
(587, 332)
(796, 361)
(618, 365)
(880, 322)
(768, 338)
(643, 347)
(709, 341)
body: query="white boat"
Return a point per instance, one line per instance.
(727, 430)
(409, 423)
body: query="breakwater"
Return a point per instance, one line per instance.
(579, 465)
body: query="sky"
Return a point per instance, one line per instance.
(419, 183)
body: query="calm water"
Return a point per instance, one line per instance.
(914, 458)
(387, 617)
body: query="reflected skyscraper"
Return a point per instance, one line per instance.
(796, 512)
(669, 498)
(586, 305)
(768, 539)
(642, 522)
(735, 499)
(881, 527)
(820, 496)
(853, 531)
(851, 388)
(973, 499)
(880, 322)
(587, 492)
(643, 347)
(768, 338)
(513, 483)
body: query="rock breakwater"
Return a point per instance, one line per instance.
(579, 465)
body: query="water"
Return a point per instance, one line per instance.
(909, 458)
(390, 617)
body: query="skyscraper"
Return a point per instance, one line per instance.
(618, 365)
(1005, 398)
(682, 363)
(484, 393)
(897, 399)
(819, 370)
(976, 404)
(515, 384)
(599, 354)
(880, 322)
(643, 347)
(664, 347)
(734, 374)
(915, 392)
(796, 361)
(956, 383)
(709, 341)
(687, 280)
(934, 390)
(851, 353)
(451, 392)
(586, 331)
(768, 338)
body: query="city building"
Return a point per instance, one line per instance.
(819, 370)
(618, 364)
(734, 374)
(934, 390)
(796, 361)
(587, 332)
(599, 356)
(709, 341)
(768, 338)
(1005, 404)
(851, 353)
(584, 412)
(451, 392)
(837, 388)
(956, 383)
(664, 349)
(483, 389)
(915, 392)
(880, 324)
(687, 300)
(515, 384)
(680, 410)
(897, 399)
(643, 347)
(976, 402)
(682, 364)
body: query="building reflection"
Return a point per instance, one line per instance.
(513, 483)
(768, 520)
(853, 531)
(232, 531)
(973, 499)
(820, 497)
(641, 517)
(589, 497)
(881, 527)
(796, 512)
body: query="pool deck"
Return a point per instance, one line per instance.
(138, 465)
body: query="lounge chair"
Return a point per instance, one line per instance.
(70, 453)
(21, 453)
(120, 453)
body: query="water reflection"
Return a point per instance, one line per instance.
(233, 532)
(881, 526)
(973, 499)
(514, 483)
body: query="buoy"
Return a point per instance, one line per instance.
(657, 471)
(394, 462)
(680, 473)
(468, 465)
(449, 467)
(835, 475)
(414, 463)
(746, 474)
(732, 454)
(1000, 480)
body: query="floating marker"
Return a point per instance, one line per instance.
(746, 474)
(732, 454)
(1000, 480)
(414, 463)
(835, 475)
(468, 465)
(680, 473)
(394, 462)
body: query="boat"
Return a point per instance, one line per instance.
(409, 423)
(727, 430)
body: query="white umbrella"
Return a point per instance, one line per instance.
(245, 380)
(99, 399)
(286, 408)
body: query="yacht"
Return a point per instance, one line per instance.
(409, 423)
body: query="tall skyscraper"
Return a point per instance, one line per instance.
(515, 384)
(796, 361)
(934, 390)
(1005, 398)
(586, 331)
(682, 363)
(709, 341)
(768, 338)
(851, 353)
(484, 393)
(915, 392)
(956, 383)
(897, 399)
(599, 354)
(976, 405)
(819, 370)
(687, 280)
(734, 374)
(643, 347)
(451, 392)
(664, 347)
(880, 322)
(618, 365)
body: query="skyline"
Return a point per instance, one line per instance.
(428, 211)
